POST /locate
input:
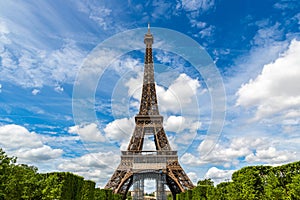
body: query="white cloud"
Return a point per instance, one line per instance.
(64, 62)
(190, 159)
(3, 27)
(59, 89)
(271, 155)
(127, 64)
(267, 35)
(175, 123)
(36, 68)
(27, 146)
(43, 51)
(228, 154)
(218, 175)
(277, 89)
(3, 33)
(35, 91)
(148, 143)
(100, 14)
(15, 136)
(198, 24)
(88, 132)
(233, 152)
(179, 95)
(196, 5)
(39, 154)
(239, 151)
(134, 86)
(193, 177)
(207, 32)
(180, 123)
(120, 130)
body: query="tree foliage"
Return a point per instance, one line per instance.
(253, 182)
(20, 182)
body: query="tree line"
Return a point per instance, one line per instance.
(20, 182)
(253, 182)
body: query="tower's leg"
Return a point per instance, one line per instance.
(138, 187)
(160, 187)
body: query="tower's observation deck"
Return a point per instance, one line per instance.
(147, 160)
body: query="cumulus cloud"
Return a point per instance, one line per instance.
(277, 89)
(179, 94)
(241, 149)
(15, 136)
(271, 155)
(218, 175)
(175, 124)
(27, 146)
(185, 129)
(120, 130)
(40, 154)
(192, 160)
(134, 86)
(88, 132)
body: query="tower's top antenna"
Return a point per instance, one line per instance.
(148, 27)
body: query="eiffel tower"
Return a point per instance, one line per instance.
(162, 164)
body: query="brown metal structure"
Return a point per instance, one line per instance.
(149, 121)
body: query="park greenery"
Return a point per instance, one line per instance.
(19, 181)
(253, 182)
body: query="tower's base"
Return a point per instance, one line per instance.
(162, 166)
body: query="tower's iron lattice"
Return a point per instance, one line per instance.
(137, 165)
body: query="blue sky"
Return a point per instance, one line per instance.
(52, 54)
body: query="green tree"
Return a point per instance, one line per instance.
(207, 182)
(273, 187)
(204, 187)
(53, 184)
(106, 194)
(294, 187)
(24, 183)
(248, 183)
(88, 190)
(169, 197)
(18, 181)
(6, 164)
(220, 192)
